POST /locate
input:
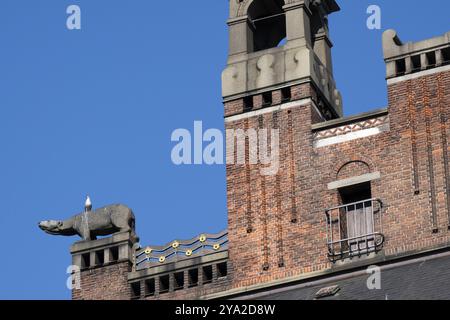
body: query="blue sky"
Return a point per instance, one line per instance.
(92, 112)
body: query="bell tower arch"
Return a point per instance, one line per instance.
(256, 29)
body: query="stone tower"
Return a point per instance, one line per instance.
(277, 44)
(279, 76)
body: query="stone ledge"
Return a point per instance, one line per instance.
(86, 246)
(354, 180)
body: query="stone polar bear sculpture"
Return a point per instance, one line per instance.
(90, 224)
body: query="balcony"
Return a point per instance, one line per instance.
(195, 265)
(354, 229)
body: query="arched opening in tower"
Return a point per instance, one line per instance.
(267, 24)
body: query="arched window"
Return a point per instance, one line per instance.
(267, 24)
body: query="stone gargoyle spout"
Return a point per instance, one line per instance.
(90, 224)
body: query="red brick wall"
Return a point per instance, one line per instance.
(417, 185)
(412, 151)
(285, 236)
(104, 283)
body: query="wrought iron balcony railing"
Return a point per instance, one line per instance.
(180, 250)
(354, 229)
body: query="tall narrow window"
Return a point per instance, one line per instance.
(207, 274)
(149, 287)
(267, 99)
(135, 290)
(446, 55)
(193, 277)
(286, 94)
(164, 284)
(357, 217)
(178, 280)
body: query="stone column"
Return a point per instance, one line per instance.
(240, 36)
(298, 24)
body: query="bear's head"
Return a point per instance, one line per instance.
(52, 226)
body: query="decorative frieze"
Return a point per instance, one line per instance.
(351, 131)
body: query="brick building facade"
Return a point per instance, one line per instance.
(371, 189)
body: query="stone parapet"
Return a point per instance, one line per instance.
(96, 253)
(407, 58)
